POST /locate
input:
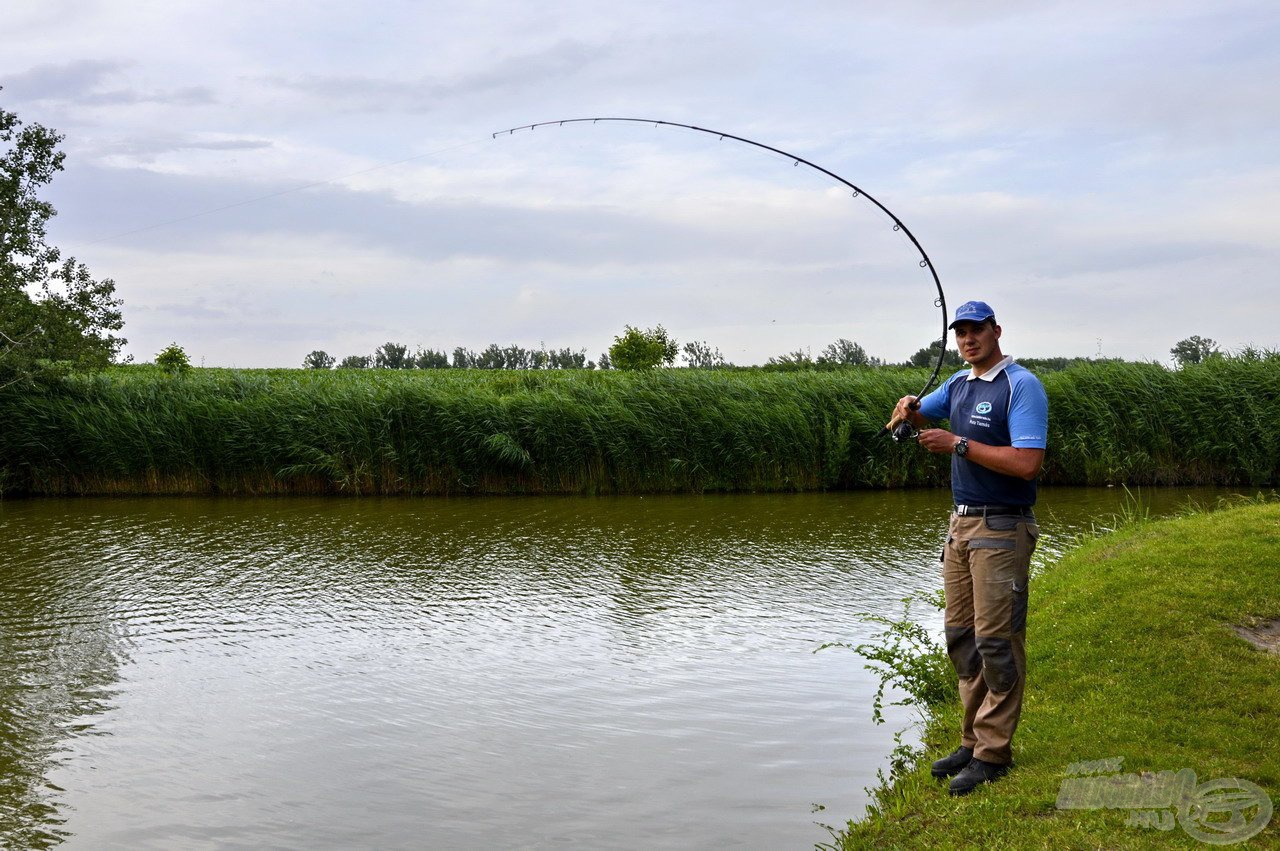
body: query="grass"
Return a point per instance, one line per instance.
(1130, 654)
(141, 430)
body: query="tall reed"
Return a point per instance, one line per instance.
(139, 430)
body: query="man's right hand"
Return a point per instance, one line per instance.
(903, 411)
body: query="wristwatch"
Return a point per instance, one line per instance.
(962, 448)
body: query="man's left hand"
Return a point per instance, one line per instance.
(938, 440)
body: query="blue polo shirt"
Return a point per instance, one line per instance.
(1005, 406)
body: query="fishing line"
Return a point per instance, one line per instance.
(899, 433)
(289, 191)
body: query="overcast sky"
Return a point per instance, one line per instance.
(262, 179)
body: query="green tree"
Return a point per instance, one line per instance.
(173, 359)
(799, 359)
(318, 360)
(355, 362)
(1194, 349)
(928, 356)
(700, 355)
(493, 357)
(53, 315)
(636, 349)
(516, 357)
(392, 356)
(430, 359)
(567, 358)
(848, 353)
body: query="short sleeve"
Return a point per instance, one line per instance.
(1028, 412)
(937, 405)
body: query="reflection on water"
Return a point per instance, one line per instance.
(613, 672)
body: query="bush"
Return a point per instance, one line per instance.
(318, 360)
(173, 359)
(637, 349)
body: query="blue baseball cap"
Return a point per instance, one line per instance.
(973, 311)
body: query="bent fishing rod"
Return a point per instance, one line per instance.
(900, 429)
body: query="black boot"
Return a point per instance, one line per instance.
(953, 764)
(975, 774)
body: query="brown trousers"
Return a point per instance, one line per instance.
(984, 575)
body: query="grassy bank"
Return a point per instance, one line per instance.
(1130, 654)
(139, 430)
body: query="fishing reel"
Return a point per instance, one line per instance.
(904, 431)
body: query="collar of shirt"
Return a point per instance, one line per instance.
(990, 374)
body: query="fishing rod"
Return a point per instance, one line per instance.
(901, 429)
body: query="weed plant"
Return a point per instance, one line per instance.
(907, 657)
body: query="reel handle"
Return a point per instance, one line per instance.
(902, 429)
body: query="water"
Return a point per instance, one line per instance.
(468, 673)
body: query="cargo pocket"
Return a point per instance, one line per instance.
(1019, 622)
(1028, 535)
(1002, 522)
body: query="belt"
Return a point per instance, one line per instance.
(990, 510)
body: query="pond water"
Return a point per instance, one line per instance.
(456, 673)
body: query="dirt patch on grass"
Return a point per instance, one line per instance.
(1264, 635)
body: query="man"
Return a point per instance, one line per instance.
(999, 417)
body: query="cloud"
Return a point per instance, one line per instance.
(86, 82)
(188, 95)
(519, 72)
(68, 81)
(1088, 166)
(147, 149)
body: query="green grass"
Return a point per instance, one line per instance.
(1130, 655)
(140, 430)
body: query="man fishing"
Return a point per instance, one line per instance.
(999, 417)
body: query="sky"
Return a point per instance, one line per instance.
(266, 179)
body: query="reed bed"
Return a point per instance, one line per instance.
(137, 430)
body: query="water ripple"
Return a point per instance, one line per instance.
(597, 672)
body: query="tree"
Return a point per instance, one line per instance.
(928, 356)
(430, 359)
(493, 357)
(173, 359)
(392, 356)
(567, 358)
(53, 314)
(516, 357)
(848, 353)
(605, 363)
(464, 358)
(318, 360)
(355, 362)
(700, 355)
(799, 359)
(637, 349)
(1194, 349)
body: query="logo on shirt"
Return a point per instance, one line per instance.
(983, 408)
